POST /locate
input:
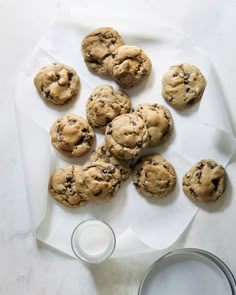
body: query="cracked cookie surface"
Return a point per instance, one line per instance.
(205, 181)
(57, 83)
(128, 65)
(98, 182)
(72, 136)
(126, 136)
(62, 187)
(158, 120)
(183, 86)
(104, 104)
(154, 177)
(97, 47)
(102, 154)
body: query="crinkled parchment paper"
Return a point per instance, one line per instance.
(202, 132)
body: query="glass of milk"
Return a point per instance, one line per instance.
(188, 271)
(93, 241)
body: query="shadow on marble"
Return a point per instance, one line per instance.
(122, 276)
(222, 93)
(40, 245)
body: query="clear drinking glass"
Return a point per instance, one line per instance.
(93, 241)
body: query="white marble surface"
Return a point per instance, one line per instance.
(28, 267)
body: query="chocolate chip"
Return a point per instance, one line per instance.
(199, 174)
(97, 194)
(98, 178)
(136, 185)
(80, 141)
(110, 170)
(211, 165)
(186, 76)
(72, 121)
(190, 102)
(60, 138)
(200, 165)
(122, 172)
(107, 120)
(215, 183)
(193, 193)
(187, 175)
(139, 144)
(70, 75)
(103, 150)
(47, 94)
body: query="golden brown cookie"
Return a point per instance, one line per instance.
(57, 83)
(205, 181)
(158, 120)
(72, 136)
(128, 65)
(104, 104)
(154, 177)
(62, 187)
(102, 154)
(98, 182)
(97, 47)
(126, 136)
(183, 86)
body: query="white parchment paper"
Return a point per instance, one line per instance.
(202, 132)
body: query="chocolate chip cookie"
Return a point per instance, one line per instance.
(158, 120)
(128, 65)
(72, 136)
(126, 136)
(62, 187)
(57, 83)
(98, 182)
(183, 86)
(102, 154)
(104, 104)
(154, 177)
(97, 47)
(205, 181)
